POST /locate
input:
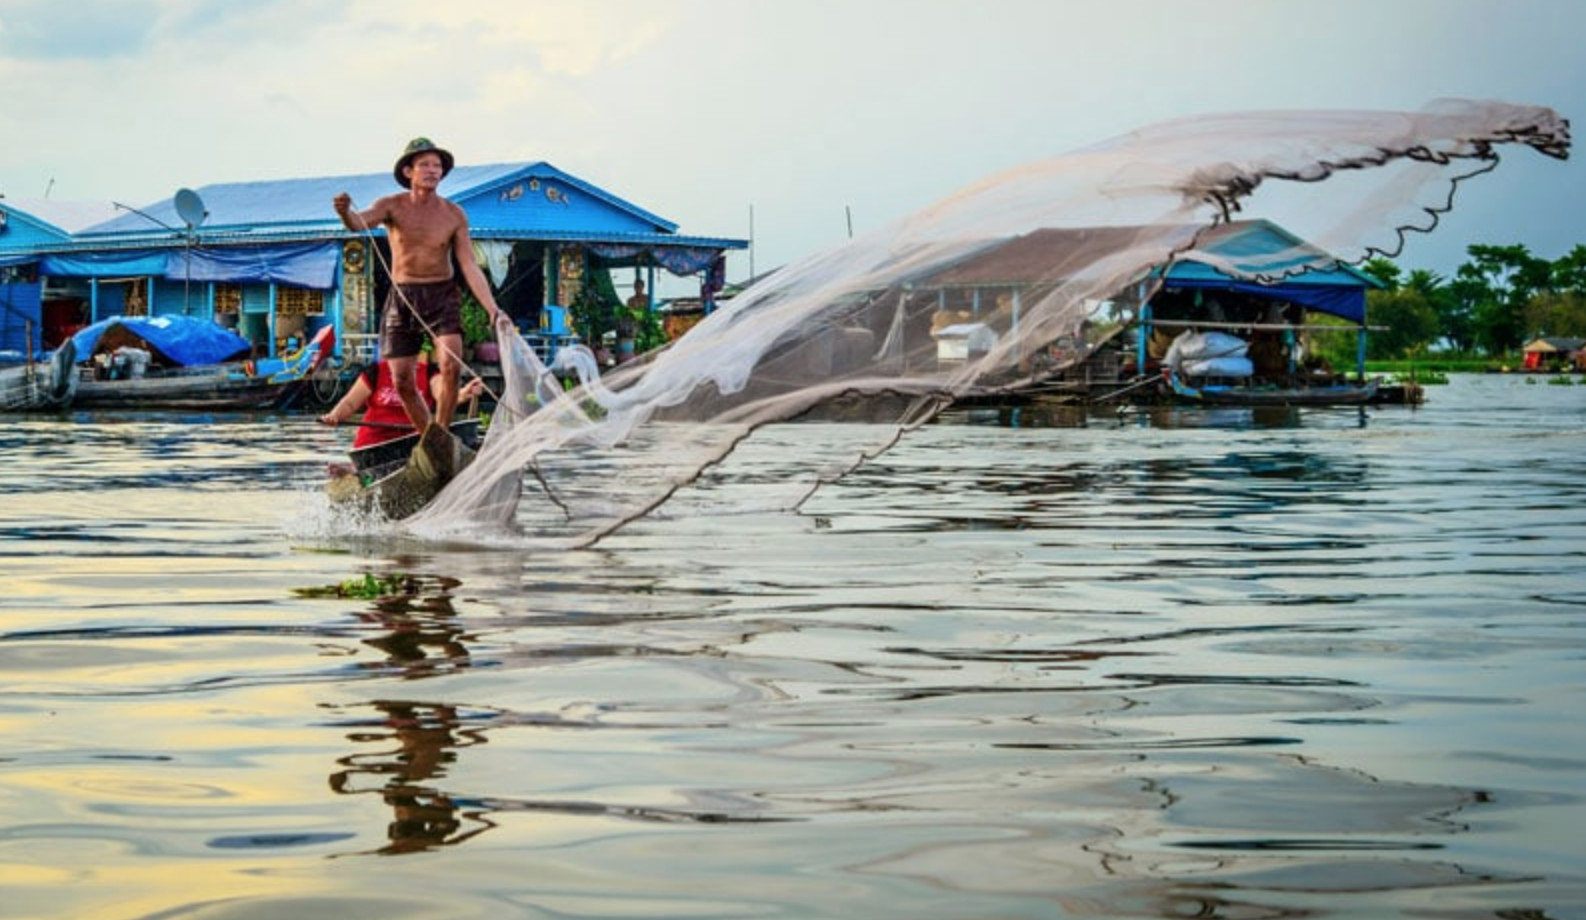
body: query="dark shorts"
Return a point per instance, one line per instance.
(413, 311)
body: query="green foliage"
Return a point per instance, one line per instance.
(369, 587)
(1497, 301)
(1410, 318)
(646, 328)
(597, 310)
(1505, 278)
(1555, 313)
(476, 321)
(594, 310)
(1569, 272)
(1383, 270)
(1325, 349)
(1423, 366)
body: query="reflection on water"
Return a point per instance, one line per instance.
(416, 742)
(1129, 664)
(420, 635)
(1162, 417)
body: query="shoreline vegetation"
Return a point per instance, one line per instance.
(1481, 318)
(1434, 371)
(1404, 367)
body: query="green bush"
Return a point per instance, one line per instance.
(476, 321)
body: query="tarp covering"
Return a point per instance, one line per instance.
(133, 263)
(1334, 300)
(679, 260)
(184, 341)
(311, 265)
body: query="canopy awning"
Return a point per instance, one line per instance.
(1347, 303)
(310, 265)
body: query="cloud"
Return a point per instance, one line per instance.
(90, 29)
(700, 109)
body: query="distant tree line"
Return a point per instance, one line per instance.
(1498, 300)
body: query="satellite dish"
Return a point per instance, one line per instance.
(190, 207)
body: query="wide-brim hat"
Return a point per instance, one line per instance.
(415, 147)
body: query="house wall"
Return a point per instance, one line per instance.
(21, 316)
(109, 299)
(18, 230)
(181, 297)
(537, 204)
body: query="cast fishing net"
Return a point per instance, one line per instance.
(993, 289)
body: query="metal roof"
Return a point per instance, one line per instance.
(64, 217)
(508, 201)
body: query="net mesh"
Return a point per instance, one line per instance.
(993, 289)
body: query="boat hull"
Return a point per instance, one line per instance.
(377, 460)
(217, 389)
(436, 457)
(40, 386)
(227, 385)
(1348, 395)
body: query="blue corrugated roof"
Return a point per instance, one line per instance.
(1250, 247)
(503, 201)
(56, 218)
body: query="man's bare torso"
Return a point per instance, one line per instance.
(423, 232)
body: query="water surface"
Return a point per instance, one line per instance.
(1321, 663)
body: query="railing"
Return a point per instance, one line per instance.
(359, 348)
(362, 348)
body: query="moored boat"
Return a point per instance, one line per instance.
(177, 362)
(1220, 394)
(40, 385)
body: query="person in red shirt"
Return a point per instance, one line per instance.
(384, 416)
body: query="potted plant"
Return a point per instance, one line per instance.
(477, 334)
(593, 314)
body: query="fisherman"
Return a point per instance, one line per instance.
(427, 234)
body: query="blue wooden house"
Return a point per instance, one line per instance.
(28, 226)
(272, 260)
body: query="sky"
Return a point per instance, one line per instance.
(784, 121)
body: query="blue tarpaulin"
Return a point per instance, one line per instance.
(132, 264)
(1347, 303)
(1270, 262)
(180, 340)
(310, 265)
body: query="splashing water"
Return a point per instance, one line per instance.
(1062, 249)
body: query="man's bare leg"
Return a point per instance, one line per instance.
(449, 349)
(404, 378)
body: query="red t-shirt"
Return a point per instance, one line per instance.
(385, 406)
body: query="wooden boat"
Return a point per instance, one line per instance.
(106, 383)
(40, 385)
(378, 460)
(1256, 395)
(435, 458)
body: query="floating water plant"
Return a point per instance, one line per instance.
(374, 587)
